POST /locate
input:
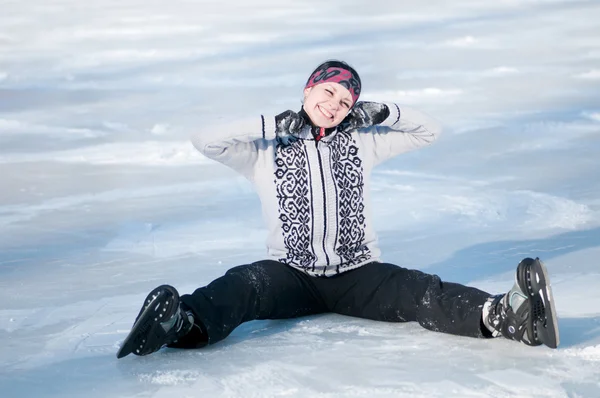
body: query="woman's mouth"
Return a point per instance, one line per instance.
(325, 113)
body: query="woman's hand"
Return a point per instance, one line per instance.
(365, 114)
(288, 123)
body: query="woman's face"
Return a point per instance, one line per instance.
(327, 104)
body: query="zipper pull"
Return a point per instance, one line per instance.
(321, 134)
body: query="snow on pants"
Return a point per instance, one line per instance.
(379, 291)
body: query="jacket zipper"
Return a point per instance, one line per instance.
(324, 202)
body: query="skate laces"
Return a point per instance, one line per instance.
(493, 314)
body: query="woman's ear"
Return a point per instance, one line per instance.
(306, 92)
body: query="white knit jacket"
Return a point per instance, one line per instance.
(315, 194)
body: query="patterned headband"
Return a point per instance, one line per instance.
(336, 75)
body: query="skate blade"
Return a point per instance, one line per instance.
(147, 321)
(131, 342)
(549, 334)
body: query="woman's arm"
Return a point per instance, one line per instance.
(235, 144)
(405, 129)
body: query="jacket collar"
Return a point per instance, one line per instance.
(311, 132)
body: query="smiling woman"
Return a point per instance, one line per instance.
(327, 104)
(312, 172)
(330, 92)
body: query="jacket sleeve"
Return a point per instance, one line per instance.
(236, 145)
(405, 129)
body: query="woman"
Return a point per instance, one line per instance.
(312, 171)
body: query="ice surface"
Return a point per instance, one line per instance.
(103, 197)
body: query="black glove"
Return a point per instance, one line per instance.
(365, 114)
(288, 123)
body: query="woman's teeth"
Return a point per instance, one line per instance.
(326, 113)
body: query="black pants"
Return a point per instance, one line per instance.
(379, 291)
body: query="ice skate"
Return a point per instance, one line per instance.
(161, 321)
(527, 312)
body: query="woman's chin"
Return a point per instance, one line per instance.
(321, 121)
(330, 125)
(325, 123)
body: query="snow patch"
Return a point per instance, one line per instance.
(170, 378)
(569, 302)
(442, 177)
(146, 153)
(466, 41)
(171, 241)
(593, 74)
(12, 320)
(316, 328)
(18, 213)
(555, 212)
(246, 38)
(18, 127)
(160, 129)
(434, 198)
(272, 80)
(501, 70)
(150, 31)
(593, 54)
(595, 116)
(123, 57)
(431, 94)
(591, 353)
(520, 382)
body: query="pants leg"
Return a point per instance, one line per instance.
(262, 290)
(386, 292)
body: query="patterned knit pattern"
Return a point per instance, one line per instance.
(296, 204)
(348, 175)
(293, 195)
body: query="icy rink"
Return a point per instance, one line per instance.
(103, 198)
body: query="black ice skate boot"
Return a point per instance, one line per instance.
(526, 313)
(161, 321)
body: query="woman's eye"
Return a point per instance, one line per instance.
(329, 92)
